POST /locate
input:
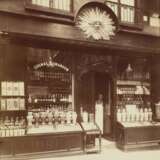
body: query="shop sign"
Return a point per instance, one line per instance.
(96, 23)
(50, 64)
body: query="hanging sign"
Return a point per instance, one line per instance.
(50, 64)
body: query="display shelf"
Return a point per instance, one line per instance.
(91, 131)
(7, 111)
(133, 83)
(12, 96)
(49, 103)
(135, 136)
(45, 129)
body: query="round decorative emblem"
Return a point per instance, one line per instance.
(96, 23)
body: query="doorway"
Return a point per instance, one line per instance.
(102, 85)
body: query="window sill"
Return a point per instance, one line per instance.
(131, 26)
(49, 11)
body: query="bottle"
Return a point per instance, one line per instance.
(150, 114)
(46, 119)
(119, 115)
(141, 115)
(59, 118)
(40, 119)
(146, 115)
(123, 115)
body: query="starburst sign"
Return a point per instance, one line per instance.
(96, 24)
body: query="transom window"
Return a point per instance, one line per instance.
(124, 9)
(55, 4)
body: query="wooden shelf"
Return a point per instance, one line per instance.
(12, 96)
(133, 94)
(3, 111)
(46, 103)
(132, 83)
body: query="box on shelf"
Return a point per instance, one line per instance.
(4, 88)
(21, 88)
(3, 104)
(21, 103)
(9, 89)
(15, 89)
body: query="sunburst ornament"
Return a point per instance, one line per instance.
(96, 23)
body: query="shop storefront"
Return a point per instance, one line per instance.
(62, 85)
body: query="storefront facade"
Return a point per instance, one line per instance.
(55, 63)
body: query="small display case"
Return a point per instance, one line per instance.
(91, 134)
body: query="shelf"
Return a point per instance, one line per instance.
(12, 96)
(51, 103)
(132, 83)
(3, 111)
(133, 94)
(48, 82)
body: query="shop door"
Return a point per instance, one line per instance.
(103, 86)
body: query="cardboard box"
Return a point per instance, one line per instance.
(21, 88)
(9, 88)
(3, 104)
(22, 104)
(15, 89)
(3, 88)
(9, 104)
(15, 104)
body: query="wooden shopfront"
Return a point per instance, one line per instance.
(56, 68)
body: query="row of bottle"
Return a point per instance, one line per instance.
(137, 90)
(50, 98)
(51, 118)
(130, 99)
(126, 90)
(85, 116)
(51, 108)
(10, 127)
(139, 115)
(41, 75)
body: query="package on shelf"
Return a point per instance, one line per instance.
(9, 88)
(3, 104)
(15, 104)
(21, 89)
(15, 89)
(10, 103)
(4, 88)
(21, 103)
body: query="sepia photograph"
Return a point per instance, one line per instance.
(79, 79)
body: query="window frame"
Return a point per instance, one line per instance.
(137, 23)
(50, 11)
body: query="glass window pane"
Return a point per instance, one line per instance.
(155, 20)
(127, 14)
(113, 6)
(128, 2)
(57, 4)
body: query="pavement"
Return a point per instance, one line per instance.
(110, 152)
